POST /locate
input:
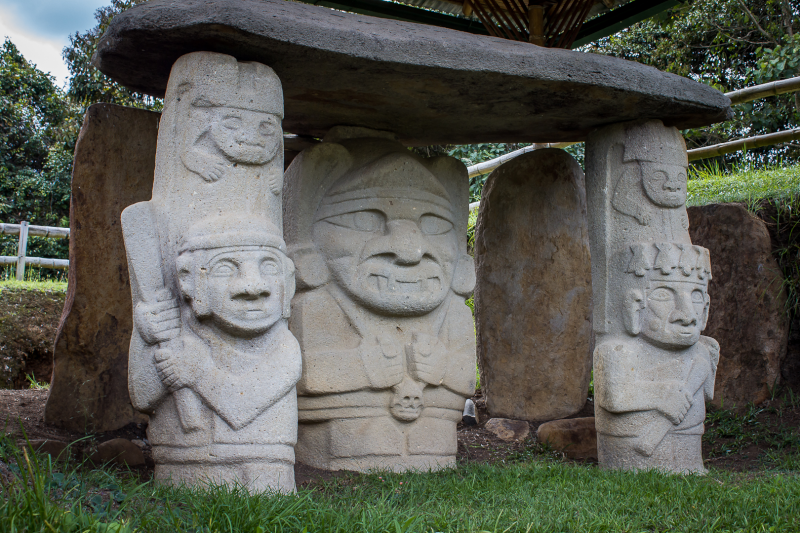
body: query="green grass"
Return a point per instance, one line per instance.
(533, 494)
(708, 185)
(46, 285)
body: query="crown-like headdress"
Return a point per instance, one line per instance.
(670, 262)
(653, 142)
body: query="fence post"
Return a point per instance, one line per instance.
(21, 250)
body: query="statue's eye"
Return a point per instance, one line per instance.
(698, 297)
(661, 295)
(433, 225)
(267, 128)
(224, 268)
(370, 221)
(232, 123)
(270, 268)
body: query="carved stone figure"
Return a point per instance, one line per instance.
(212, 360)
(378, 235)
(653, 369)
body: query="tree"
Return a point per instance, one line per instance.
(729, 44)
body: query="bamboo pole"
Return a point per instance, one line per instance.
(762, 91)
(22, 248)
(748, 143)
(488, 166)
(536, 24)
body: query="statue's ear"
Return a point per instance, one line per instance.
(464, 276)
(310, 268)
(200, 303)
(704, 319)
(632, 307)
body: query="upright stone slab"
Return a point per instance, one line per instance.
(533, 295)
(653, 371)
(749, 315)
(113, 168)
(212, 360)
(378, 235)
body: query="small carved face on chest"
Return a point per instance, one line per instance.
(665, 184)
(392, 249)
(243, 136)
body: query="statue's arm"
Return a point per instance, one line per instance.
(713, 360)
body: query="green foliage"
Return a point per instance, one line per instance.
(87, 84)
(711, 184)
(729, 44)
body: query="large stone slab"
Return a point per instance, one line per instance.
(429, 85)
(748, 317)
(533, 296)
(113, 168)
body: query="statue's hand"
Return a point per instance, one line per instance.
(427, 357)
(677, 403)
(382, 362)
(179, 366)
(159, 321)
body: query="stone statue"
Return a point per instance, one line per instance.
(378, 235)
(652, 384)
(653, 369)
(212, 360)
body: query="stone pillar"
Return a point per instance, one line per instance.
(212, 360)
(113, 168)
(378, 235)
(653, 371)
(533, 295)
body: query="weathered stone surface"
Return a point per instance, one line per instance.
(113, 168)
(118, 451)
(212, 359)
(533, 295)
(429, 85)
(378, 236)
(55, 448)
(574, 437)
(507, 429)
(653, 371)
(748, 318)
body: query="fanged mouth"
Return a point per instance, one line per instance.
(392, 285)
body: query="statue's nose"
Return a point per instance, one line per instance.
(251, 284)
(674, 182)
(684, 312)
(406, 242)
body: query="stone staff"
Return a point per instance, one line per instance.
(144, 260)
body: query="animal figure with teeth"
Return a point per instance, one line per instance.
(379, 237)
(651, 389)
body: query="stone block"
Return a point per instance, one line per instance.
(576, 438)
(121, 452)
(507, 429)
(113, 168)
(748, 317)
(533, 297)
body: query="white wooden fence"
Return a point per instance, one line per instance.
(24, 230)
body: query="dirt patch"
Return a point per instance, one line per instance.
(28, 323)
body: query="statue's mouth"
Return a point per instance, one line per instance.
(389, 284)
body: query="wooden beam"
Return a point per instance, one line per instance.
(748, 143)
(536, 24)
(766, 89)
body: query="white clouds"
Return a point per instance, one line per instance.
(41, 29)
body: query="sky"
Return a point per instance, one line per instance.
(41, 28)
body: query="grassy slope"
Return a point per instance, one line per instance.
(711, 185)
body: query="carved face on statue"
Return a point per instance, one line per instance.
(665, 184)
(672, 310)
(243, 136)
(393, 250)
(241, 282)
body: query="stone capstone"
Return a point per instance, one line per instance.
(429, 85)
(576, 438)
(533, 297)
(113, 168)
(748, 317)
(507, 429)
(118, 451)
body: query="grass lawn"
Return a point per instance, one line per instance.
(527, 494)
(711, 185)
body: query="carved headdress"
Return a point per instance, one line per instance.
(670, 262)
